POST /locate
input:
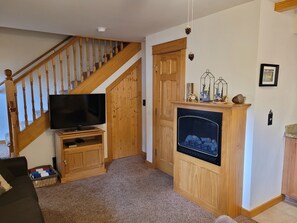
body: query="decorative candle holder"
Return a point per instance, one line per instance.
(220, 90)
(207, 81)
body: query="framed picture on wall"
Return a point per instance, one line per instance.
(268, 75)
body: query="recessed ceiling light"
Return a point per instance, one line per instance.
(101, 29)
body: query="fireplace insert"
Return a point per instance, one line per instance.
(199, 134)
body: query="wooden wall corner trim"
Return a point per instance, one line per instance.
(263, 207)
(171, 46)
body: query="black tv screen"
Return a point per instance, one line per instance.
(76, 110)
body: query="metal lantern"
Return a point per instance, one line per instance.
(207, 81)
(220, 90)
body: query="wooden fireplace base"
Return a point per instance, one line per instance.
(216, 188)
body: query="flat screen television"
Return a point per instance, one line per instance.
(75, 111)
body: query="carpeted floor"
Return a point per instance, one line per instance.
(128, 192)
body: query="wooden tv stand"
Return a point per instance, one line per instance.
(80, 154)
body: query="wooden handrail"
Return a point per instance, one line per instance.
(286, 5)
(71, 42)
(38, 58)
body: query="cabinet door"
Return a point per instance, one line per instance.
(289, 187)
(74, 160)
(84, 158)
(93, 157)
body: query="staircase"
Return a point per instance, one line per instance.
(79, 66)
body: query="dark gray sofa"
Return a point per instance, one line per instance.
(19, 204)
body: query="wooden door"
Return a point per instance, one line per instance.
(124, 114)
(169, 85)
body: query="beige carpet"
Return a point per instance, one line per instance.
(128, 192)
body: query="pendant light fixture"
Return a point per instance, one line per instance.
(189, 27)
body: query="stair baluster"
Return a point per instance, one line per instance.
(61, 72)
(17, 112)
(88, 57)
(105, 51)
(32, 97)
(110, 49)
(116, 48)
(47, 79)
(25, 102)
(94, 56)
(40, 90)
(99, 54)
(68, 70)
(81, 60)
(55, 75)
(74, 64)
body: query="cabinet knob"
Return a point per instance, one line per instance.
(65, 162)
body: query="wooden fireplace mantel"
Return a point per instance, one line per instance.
(216, 188)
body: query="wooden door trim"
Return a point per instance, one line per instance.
(136, 65)
(172, 46)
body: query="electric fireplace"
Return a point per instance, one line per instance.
(199, 134)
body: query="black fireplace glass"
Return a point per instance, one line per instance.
(199, 134)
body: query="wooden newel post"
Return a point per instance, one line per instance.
(12, 113)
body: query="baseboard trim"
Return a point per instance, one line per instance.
(263, 207)
(2, 142)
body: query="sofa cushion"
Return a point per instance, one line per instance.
(22, 210)
(7, 175)
(22, 187)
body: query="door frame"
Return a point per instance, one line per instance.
(157, 50)
(137, 65)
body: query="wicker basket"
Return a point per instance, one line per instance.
(44, 181)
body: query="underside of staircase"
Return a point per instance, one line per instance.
(78, 67)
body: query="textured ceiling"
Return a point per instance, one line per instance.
(130, 20)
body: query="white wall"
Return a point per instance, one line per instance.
(221, 43)
(18, 48)
(277, 45)
(232, 44)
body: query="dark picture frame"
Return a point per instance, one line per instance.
(268, 75)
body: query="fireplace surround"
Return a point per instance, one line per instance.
(215, 185)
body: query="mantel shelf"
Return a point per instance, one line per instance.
(212, 104)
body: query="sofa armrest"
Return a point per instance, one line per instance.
(17, 166)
